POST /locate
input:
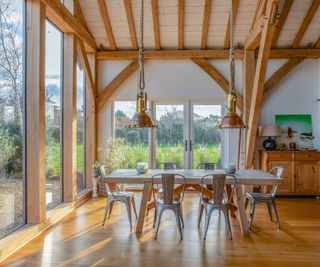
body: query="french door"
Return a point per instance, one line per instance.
(186, 134)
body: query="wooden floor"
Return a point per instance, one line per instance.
(79, 239)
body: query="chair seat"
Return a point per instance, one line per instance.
(259, 196)
(176, 201)
(121, 194)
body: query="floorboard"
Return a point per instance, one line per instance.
(80, 240)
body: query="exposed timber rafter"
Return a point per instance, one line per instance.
(106, 22)
(227, 35)
(113, 86)
(205, 24)
(61, 17)
(180, 23)
(284, 14)
(132, 30)
(218, 78)
(156, 28)
(260, 73)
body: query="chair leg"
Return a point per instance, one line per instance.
(160, 211)
(134, 207)
(226, 216)
(207, 220)
(253, 208)
(269, 210)
(246, 203)
(110, 209)
(108, 203)
(181, 216)
(177, 214)
(200, 214)
(275, 212)
(155, 216)
(128, 205)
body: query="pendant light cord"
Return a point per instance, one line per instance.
(141, 81)
(231, 51)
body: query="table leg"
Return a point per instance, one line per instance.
(143, 206)
(230, 200)
(241, 210)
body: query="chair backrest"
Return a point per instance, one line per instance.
(218, 185)
(208, 166)
(167, 182)
(168, 165)
(112, 189)
(278, 171)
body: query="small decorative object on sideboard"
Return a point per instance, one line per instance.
(269, 131)
(142, 167)
(230, 168)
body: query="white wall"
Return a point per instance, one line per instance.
(183, 80)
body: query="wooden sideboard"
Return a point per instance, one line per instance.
(301, 174)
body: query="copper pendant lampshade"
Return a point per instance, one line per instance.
(141, 118)
(232, 120)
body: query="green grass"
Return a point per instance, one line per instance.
(53, 159)
(172, 153)
(140, 153)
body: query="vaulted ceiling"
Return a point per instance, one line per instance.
(203, 23)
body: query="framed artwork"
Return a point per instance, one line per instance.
(295, 128)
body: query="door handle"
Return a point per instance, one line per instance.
(185, 145)
(190, 145)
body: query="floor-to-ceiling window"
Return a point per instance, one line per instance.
(12, 204)
(136, 141)
(53, 95)
(81, 96)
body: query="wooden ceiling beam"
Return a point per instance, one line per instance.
(79, 14)
(259, 78)
(60, 16)
(205, 25)
(168, 54)
(86, 67)
(209, 54)
(156, 28)
(132, 30)
(284, 14)
(106, 22)
(227, 35)
(306, 21)
(180, 24)
(280, 73)
(113, 86)
(218, 78)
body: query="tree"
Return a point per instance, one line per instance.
(11, 41)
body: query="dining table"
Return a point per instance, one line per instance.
(245, 177)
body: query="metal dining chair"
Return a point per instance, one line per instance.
(167, 165)
(167, 200)
(117, 195)
(217, 202)
(262, 197)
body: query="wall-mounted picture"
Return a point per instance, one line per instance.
(296, 131)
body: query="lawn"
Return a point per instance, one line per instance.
(172, 153)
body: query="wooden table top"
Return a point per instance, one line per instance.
(246, 177)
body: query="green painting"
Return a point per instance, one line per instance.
(295, 128)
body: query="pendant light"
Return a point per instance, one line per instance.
(232, 119)
(141, 119)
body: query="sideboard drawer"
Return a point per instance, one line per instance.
(280, 156)
(307, 156)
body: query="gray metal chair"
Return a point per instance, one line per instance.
(125, 197)
(268, 198)
(167, 165)
(166, 200)
(218, 202)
